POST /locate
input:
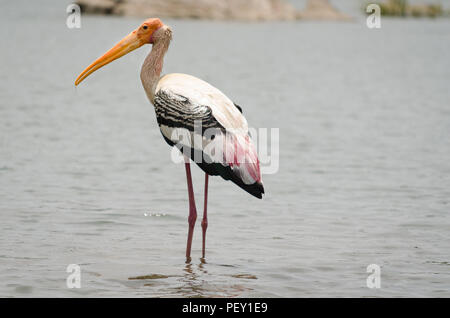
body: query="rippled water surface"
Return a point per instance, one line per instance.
(364, 169)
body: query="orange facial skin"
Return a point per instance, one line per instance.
(142, 35)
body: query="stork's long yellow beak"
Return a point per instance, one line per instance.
(129, 43)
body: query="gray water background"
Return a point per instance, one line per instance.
(364, 169)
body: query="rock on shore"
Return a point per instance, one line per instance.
(322, 10)
(247, 10)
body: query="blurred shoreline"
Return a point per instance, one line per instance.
(240, 10)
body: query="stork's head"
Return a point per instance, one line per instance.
(146, 33)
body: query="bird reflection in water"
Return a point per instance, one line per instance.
(194, 282)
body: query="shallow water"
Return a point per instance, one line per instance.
(364, 175)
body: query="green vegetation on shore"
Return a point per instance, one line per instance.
(402, 8)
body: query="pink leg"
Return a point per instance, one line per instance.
(192, 210)
(205, 216)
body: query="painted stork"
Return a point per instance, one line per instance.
(182, 102)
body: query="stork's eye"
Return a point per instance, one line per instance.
(145, 27)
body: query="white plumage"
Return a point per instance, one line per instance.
(203, 93)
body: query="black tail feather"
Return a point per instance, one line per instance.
(256, 189)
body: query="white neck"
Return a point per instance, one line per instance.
(153, 64)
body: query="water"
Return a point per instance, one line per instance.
(364, 175)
